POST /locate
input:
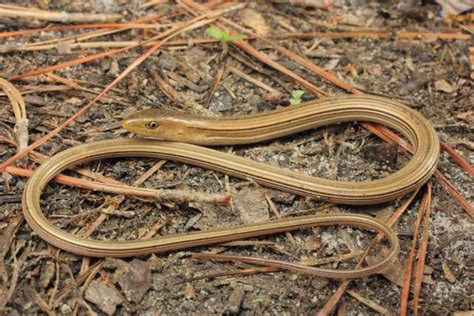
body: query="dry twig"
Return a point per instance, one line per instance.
(194, 23)
(64, 17)
(19, 110)
(113, 186)
(376, 307)
(409, 262)
(420, 265)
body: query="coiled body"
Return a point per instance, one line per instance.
(249, 129)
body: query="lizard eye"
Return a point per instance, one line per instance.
(152, 125)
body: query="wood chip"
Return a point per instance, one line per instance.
(252, 205)
(409, 63)
(155, 263)
(104, 295)
(464, 313)
(235, 300)
(134, 279)
(448, 273)
(47, 273)
(385, 152)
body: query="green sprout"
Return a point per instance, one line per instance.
(296, 96)
(223, 35)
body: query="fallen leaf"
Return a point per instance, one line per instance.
(415, 83)
(395, 271)
(428, 270)
(319, 283)
(280, 196)
(105, 296)
(256, 21)
(382, 214)
(466, 116)
(313, 242)
(454, 6)
(442, 85)
(273, 96)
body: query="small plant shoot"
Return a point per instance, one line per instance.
(296, 96)
(223, 35)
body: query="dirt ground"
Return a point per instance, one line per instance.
(432, 75)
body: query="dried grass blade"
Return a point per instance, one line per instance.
(78, 37)
(380, 34)
(6, 240)
(434, 35)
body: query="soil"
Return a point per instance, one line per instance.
(431, 75)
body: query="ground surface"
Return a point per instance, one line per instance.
(431, 75)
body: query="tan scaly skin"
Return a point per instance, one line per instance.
(179, 130)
